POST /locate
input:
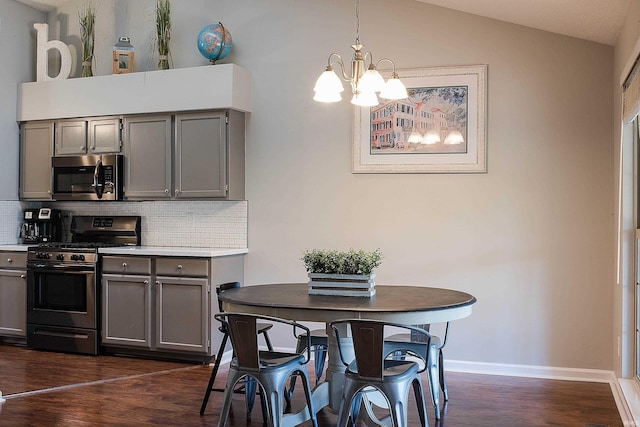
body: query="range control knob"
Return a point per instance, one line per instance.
(76, 257)
(60, 257)
(43, 255)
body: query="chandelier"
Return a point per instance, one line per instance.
(364, 84)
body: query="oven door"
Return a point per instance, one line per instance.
(61, 296)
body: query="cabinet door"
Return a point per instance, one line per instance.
(71, 137)
(147, 146)
(126, 310)
(36, 149)
(182, 314)
(104, 135)
(201, 155)
(13, 303)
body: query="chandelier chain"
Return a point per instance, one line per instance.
(357, 21)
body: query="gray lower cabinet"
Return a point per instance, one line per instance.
(126, 310)
(160, 304)
(182, 314)
(36, 149)
(13, 294)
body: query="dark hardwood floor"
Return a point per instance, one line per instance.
(54, 389)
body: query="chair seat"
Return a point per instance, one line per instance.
(406, 338)
(271, 358)
(393, 369)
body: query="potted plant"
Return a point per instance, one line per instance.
(348, 273)
(87, 19)
(163, 31)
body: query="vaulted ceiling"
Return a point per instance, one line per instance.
(595, 20)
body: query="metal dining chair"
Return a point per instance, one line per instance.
(270, 369)
(370, 368)
(249, 387)
(395, 344)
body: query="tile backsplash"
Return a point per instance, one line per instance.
(202, 224)
(10, 220)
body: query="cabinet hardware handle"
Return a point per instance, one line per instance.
(124, 265)
(9, 260)
(179, 266)
(146, 282)
(22, 276)
(166, 190)
(177, 192)
(157, 282)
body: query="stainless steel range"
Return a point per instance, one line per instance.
(63, 284)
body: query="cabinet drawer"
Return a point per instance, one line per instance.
(192, 267)
(13, 260)
(126, 265)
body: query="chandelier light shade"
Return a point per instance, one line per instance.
(366, 82)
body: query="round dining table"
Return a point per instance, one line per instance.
(410, 305)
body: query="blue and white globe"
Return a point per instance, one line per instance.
(214, 42)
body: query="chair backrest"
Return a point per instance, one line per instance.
(223, 287)
(244, 338)
(368, 344)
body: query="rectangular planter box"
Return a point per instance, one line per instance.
(350, 285)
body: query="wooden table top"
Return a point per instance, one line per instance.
(389, 301)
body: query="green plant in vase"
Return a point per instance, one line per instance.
(87, 19)
(163, 30)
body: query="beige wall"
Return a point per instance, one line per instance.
(532, 239)
(626, 51)
(16, 47)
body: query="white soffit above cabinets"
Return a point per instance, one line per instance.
(594, 20)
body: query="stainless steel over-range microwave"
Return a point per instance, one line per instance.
(88, 177)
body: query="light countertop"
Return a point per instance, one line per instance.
(172, 251)
(16, 247)
(150, 250)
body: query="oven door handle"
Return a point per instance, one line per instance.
(56, 268)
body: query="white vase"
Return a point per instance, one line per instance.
(350, 285)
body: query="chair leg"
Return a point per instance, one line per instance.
(214, 372)
(250, 385)
(232, 379)
(443, 383)
(319, 354)
(306, 385)
(288, 393)
(433, 381)
(418, 392)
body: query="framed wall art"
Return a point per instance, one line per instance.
(440, 128)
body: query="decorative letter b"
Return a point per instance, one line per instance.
(42, 61)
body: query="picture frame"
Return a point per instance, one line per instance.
(440, 128)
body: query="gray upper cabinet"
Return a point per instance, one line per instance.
(36, 149)
(200, 157)
(87, 136)
(148, 157)
(201, 152)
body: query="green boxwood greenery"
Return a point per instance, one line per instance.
(337, 262)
